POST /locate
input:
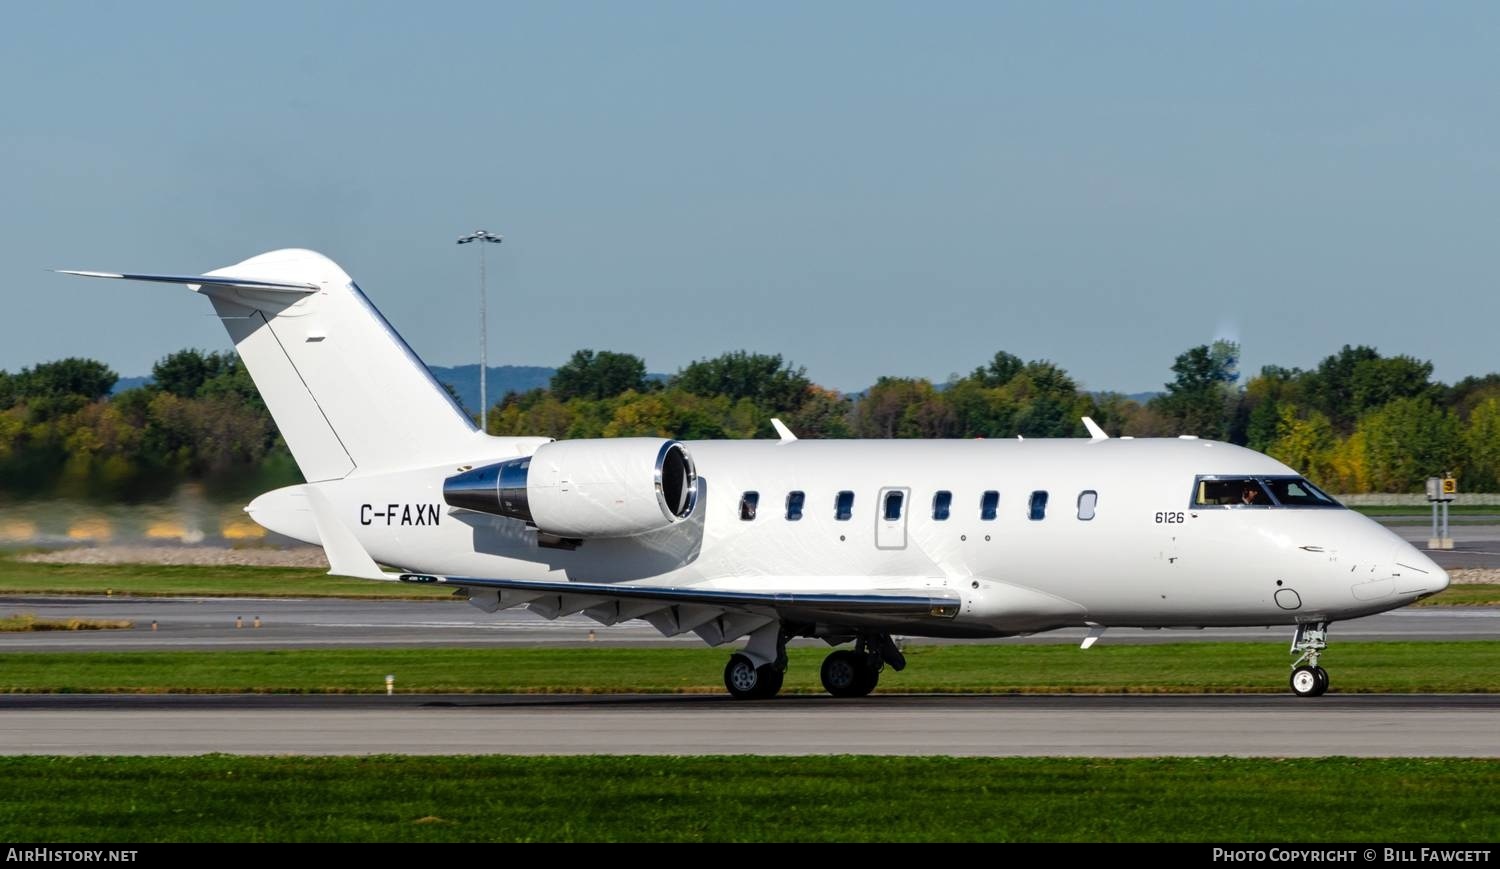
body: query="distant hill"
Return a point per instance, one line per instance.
(502, 379)
(463, 378)
(520, 378)
(125, 383)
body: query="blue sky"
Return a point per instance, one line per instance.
(866, 188)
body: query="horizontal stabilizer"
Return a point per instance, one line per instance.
(201, 280)
(871, 607)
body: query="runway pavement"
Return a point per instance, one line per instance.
(1114, 726)
(1474, 546)
(209, 623)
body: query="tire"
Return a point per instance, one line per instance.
(1305, 682)
(742, 678)
(771, 679)
(1322, 675)
(746, 681)
(869, 675)
(848, 674)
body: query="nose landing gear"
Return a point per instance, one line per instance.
(1309, 679)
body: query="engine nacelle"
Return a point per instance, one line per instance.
(615, 487)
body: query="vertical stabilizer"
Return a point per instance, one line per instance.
(348, 395)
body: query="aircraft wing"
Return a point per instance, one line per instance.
(716, 615)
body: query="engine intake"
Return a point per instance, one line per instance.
(615, 487)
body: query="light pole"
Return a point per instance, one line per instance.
(483, 238)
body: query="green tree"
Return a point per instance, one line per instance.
(183, 373)
(1464, 397)
(1356, 380)
(53, 390)
(232, 382)
(72, 377)
(1305, 444)
(599, 375)
(1265, 396)
(1482, 448)
(824, 414)
(764, 379)
(982, 411)
(1047, 401)
(899, 407)
(1409, 440)
(1199, 398)
(999, 371)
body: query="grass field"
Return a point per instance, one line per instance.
(1175, 668)
(515, 799)
(1475, 594)
(1425, 511)
(26, 623)
(20, 577)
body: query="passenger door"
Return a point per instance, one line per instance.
(890, 517)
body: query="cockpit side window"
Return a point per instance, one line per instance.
(1230, 492)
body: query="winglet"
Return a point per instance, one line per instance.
(345, 556)
(781, 429)
(1095, 632)
(1095, 432)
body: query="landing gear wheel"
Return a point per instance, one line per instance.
(1309, 679)
(1306, 681)
(746, 681)
(849, 674)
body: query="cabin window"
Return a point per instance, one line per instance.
(748, 502)
(989, 505)
(843, 506)
(1037, 510)
(893, 502)
(942, 503)
(1087, 501)
(794, 505)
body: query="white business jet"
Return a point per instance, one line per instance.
(848, 541)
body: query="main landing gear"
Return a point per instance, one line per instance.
(746, 681)
(1309, 679)
(855, 672)
(846, 672)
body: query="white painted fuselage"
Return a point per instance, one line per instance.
(1146, 557)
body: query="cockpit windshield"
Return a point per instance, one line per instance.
(1217, 491)
(1297, 492)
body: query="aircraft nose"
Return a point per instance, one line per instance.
(1414, 564)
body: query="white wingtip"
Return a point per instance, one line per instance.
(784, 432)
(1095, 432)
(84, 274)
